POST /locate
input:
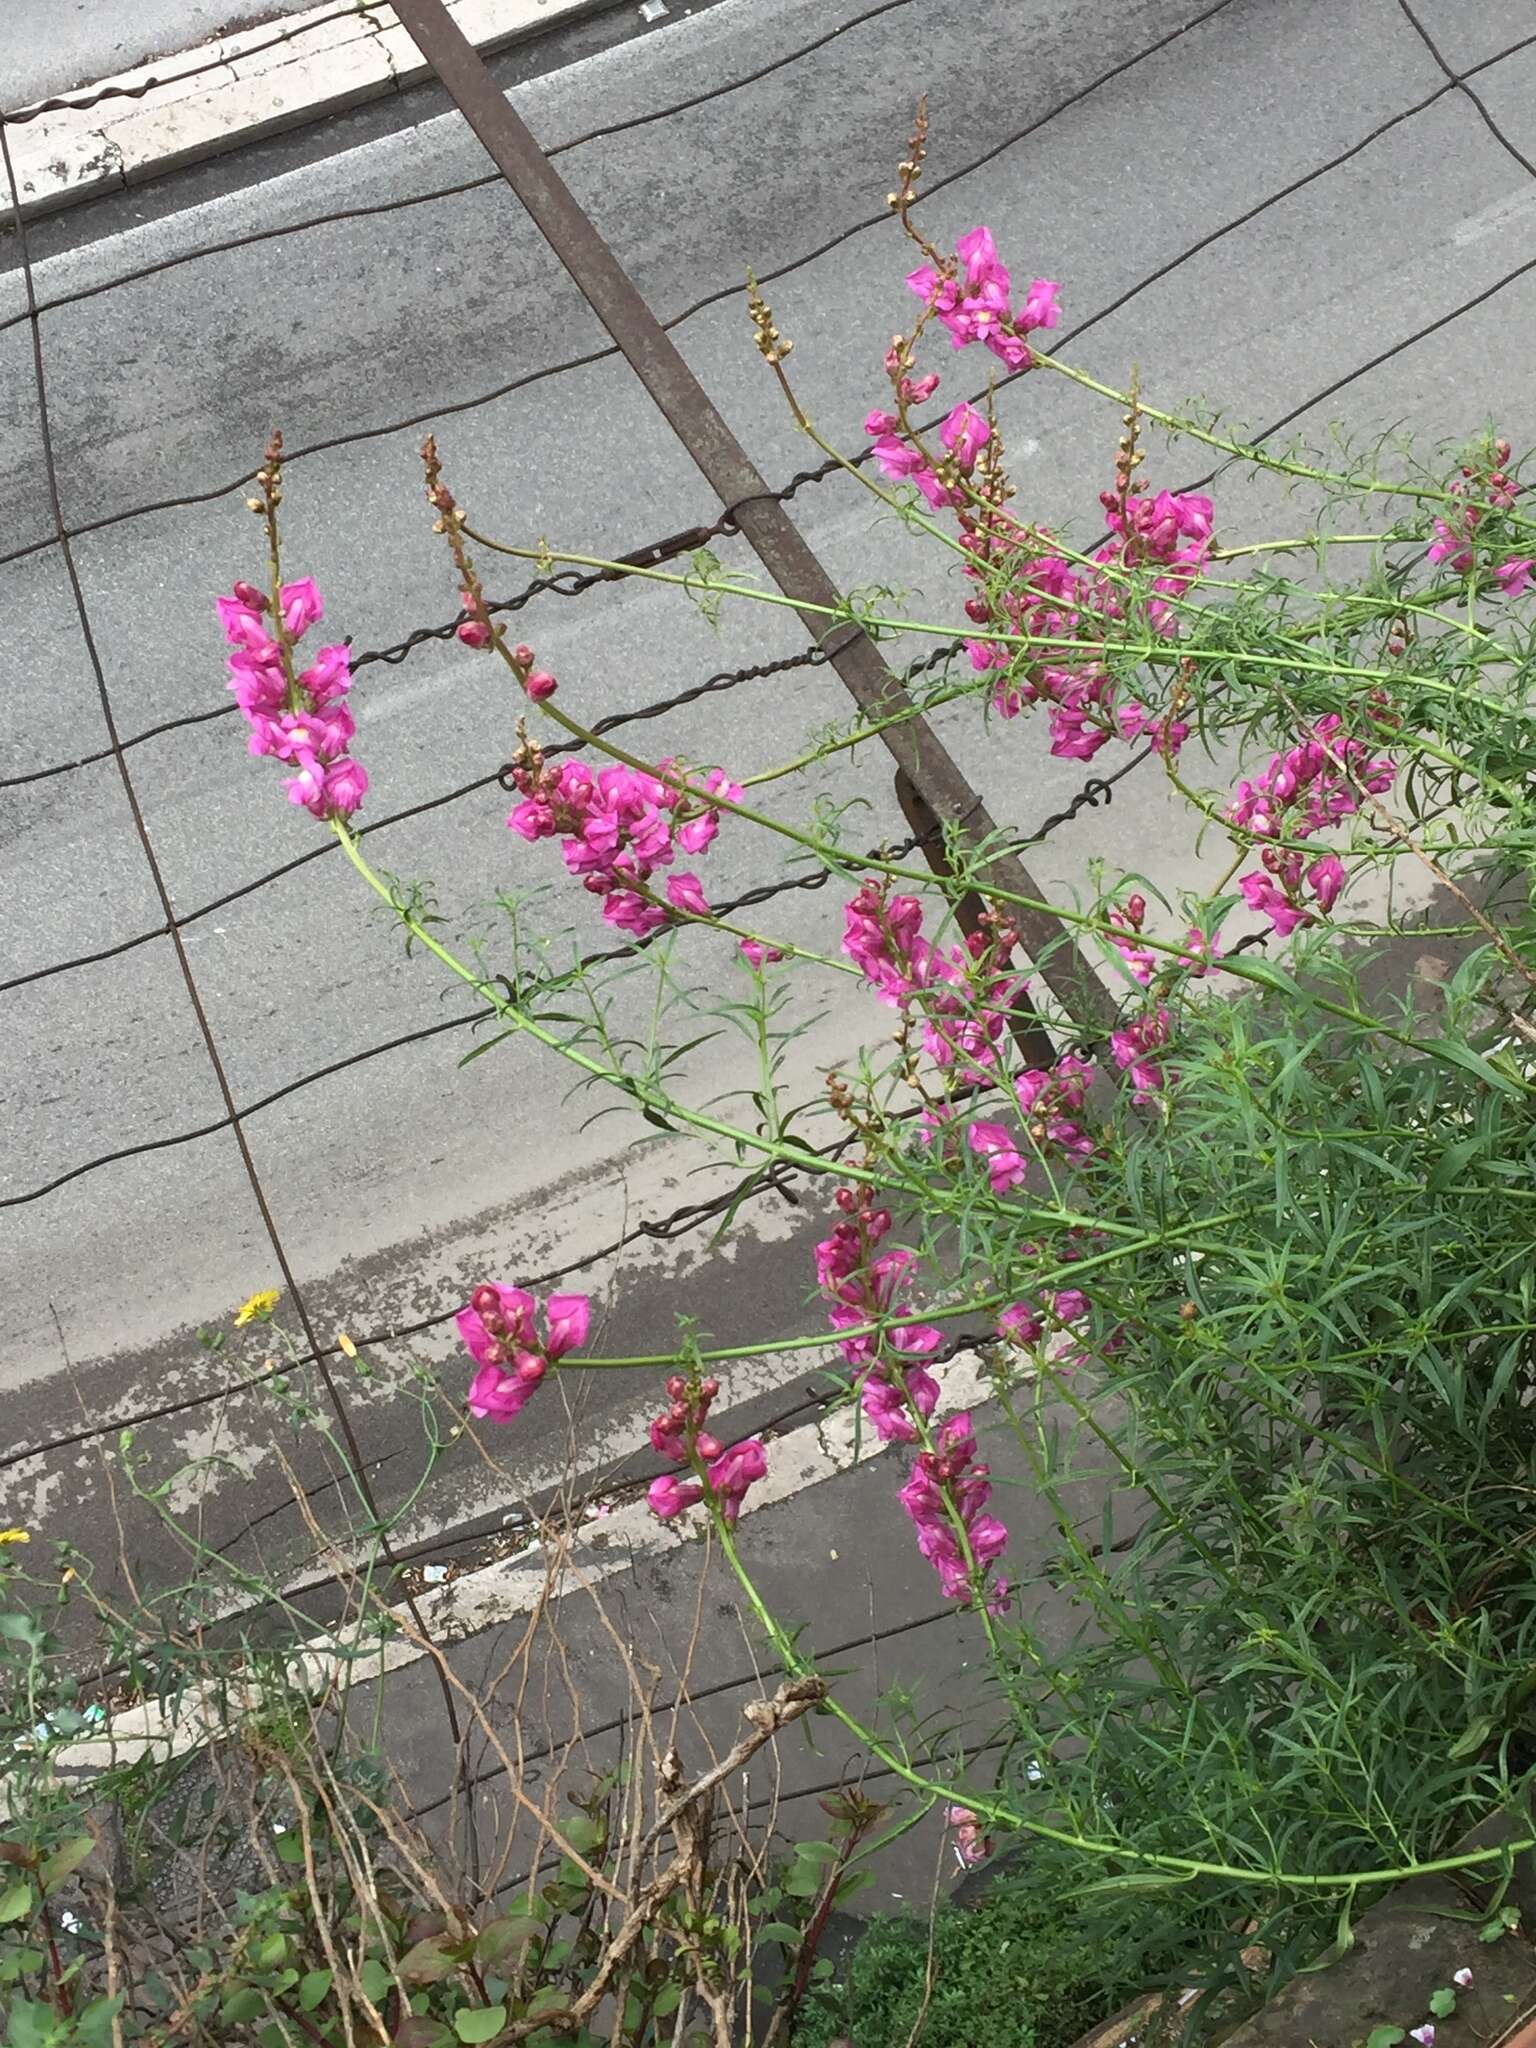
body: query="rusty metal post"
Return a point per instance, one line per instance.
(607, 287)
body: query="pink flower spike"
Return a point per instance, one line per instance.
(686, 892)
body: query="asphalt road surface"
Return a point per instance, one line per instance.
(1283, 208)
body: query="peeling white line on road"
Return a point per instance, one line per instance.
(499, 1593)
(319, 65)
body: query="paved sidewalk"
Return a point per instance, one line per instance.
(57, 46)
(838, 1557)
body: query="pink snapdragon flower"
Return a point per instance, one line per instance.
(1021, 1324)
(1202, 951)
(298, 716)
(994, 1143)
(500, 1331)
(669, 1495)
(965, 433)
(686, 892)
(1134, 1047)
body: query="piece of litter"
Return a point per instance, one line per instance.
(833, 1555)
(652, 10)
(433, 1574)
(69, 1922)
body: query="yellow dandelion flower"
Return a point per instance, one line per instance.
(14, 1536)
(258, 1308)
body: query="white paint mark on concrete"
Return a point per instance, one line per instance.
(240, 87)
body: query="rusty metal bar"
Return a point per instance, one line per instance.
(779, 546)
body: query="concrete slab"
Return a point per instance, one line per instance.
(1467, 36)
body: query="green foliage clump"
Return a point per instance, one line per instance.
(1025, 1967)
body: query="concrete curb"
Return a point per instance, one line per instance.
(498, 1593)
(184, 109)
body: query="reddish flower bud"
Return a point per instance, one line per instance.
(677, 1387)
(706, 1445)
(474, 633)
(486, 1302)
(523, 655)
(248, 594)
(530, 1370)
(709, 1388)
(541, 685)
